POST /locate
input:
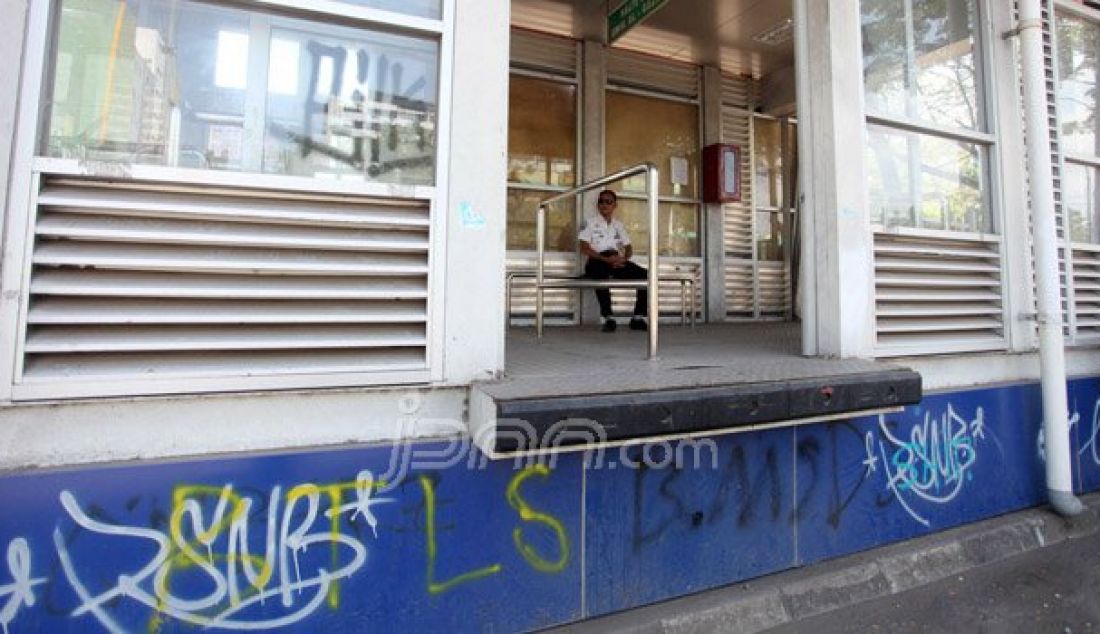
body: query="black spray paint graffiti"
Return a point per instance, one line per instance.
(928, 463)
(382, 109)
(751, 488)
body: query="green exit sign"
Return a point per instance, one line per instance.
(629, 14)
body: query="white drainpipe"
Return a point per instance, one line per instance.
(1052, 361)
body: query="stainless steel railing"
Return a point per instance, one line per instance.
(650, 170)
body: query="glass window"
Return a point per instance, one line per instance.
(1078, 70)
(678, 227)
(768, 158)
(769, 236)
(920, 61)
(175, 82)
(1080, 199)
(561, 224)
(542, 132)
(542, 151)
(657, 130)
(419, 8)
(925, 181)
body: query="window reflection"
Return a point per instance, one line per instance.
(168, 83)
(925, 181)
(1081, 203)
(919, 60)
(677, 223)
(1078, 72)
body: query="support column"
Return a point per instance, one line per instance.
(714, 251)
(472, 215)
(592, 120)
(837, 246)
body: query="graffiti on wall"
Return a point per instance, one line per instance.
(222, 557)
(315, 540)
(930, 462)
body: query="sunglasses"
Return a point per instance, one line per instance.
(606, 201)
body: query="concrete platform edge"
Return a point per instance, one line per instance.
(792, 595)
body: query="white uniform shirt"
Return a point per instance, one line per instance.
(602, 235)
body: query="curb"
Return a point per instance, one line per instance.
(792, 595)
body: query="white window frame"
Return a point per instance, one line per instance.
(28, 164)
(980, 136)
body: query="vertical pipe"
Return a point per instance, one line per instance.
(1052, 366)
(654, 304)
(540, 240)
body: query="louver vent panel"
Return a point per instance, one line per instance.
(737, 229)
(139, 283)
(774, 289)
(739, 92)
(740, 299)
(655, 73)
(937, 295)
(1086, 285)
(622, 300)
(543, 52)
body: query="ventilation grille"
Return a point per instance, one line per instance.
(1050, 68)
(644, 71)
(774, 290)
(739, 92)
(142, 282)
(937, 295)
(622, 300)
(1086, 290)
(737, 230)
(543, 52)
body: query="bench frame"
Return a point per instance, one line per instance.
(686, 280)
(542, 282)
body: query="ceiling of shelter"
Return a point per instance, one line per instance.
(724, 33)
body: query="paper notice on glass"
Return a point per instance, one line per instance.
(679, 170)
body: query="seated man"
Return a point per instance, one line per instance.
(607, 246)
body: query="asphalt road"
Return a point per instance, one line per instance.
(1052, 589)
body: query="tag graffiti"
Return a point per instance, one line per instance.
(207, 553)
(930, 465)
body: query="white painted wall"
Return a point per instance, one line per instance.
(837, 249)
(13, 14)
(108, 430)
(474, 326)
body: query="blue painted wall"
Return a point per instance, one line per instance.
(352, 540)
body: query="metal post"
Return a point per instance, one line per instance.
(654, 300)
(540, 238)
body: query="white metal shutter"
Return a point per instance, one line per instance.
(773, 289)
(542, 52)
(737, 221)
(144, 281)
(652, 73)
(937, 294)
(740, 92)
(1050, 66)
(670, 304)
(1086, 292)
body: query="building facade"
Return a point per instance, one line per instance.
(255, 271)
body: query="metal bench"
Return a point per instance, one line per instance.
(686, 280)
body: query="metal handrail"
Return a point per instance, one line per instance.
(650, 170)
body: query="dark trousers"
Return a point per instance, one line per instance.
(599, 270)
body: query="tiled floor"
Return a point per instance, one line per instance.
(583, 360)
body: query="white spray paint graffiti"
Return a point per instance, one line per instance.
(933, 464)
(214, 541)
(20, 592)
(1091, 445)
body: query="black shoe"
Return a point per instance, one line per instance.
(638, 323)
(609, 324)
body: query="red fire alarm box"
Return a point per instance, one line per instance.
(722, 173)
